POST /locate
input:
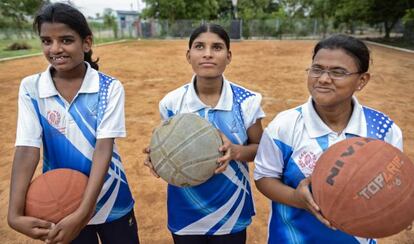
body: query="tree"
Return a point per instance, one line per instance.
(209, 9)
(409, 15)
(110, 21)
(387, 12)
(164, 9)
(16, 13)
(181, 9)
(202, 9)
(324, 10)
(408, 21)
(257, 9)
(225, 9)
(384, 12)
(296, 8)
(349, 12)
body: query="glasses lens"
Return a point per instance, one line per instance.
(313, 72)
(333, 74)
(337, 74)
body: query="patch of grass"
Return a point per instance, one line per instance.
(4, 44)
(35, 44)
(396, 42)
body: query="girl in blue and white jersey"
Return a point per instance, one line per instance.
(219, 210)
(75, 113)
(294, 140)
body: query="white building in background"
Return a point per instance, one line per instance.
(128, 23)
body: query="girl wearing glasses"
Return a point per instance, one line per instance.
(294, 140)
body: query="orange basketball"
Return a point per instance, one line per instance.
(365, 187)
(55, 194)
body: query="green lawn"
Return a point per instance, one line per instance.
(396, 42)
(35, 44)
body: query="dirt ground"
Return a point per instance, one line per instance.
(149, 69)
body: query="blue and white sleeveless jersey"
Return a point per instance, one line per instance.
(223, 204)
(289, 149)
(69, 132)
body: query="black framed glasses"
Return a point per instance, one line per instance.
(335, 74)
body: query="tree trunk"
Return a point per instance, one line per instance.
(387, 30)
(388, 27)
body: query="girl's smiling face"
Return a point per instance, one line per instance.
(63, 47)
(329, 92)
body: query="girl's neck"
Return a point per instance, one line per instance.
(336, 117)
(208, 86)
(69, 83)
(77, 72)
(209, 90)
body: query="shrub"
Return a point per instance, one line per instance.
(18, 46)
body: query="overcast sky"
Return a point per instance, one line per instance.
(91, 7)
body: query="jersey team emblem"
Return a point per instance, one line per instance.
(54, 119)
(307, 161)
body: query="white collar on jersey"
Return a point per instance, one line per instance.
(316, 127)
(90, 82)
(225, 102)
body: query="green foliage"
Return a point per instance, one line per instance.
(202, 9)
(164, 9)
(15, 13)
(408, 21)
(110, 21)
(409, 16)
(296, 8)
(342, 13)
(181, 9)
(225, 9)
(349, 13)
(95, 25)
(386, 12)
(323, 10)
(256, 9)
(209, 9)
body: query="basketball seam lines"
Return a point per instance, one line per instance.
(166, 156)
(200, 132)
(344, 188)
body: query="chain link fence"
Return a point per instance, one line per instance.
(287, 28)
(252, 29)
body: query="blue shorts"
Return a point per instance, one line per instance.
(123, 230)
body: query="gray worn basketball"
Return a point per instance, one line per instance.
(184, 150)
